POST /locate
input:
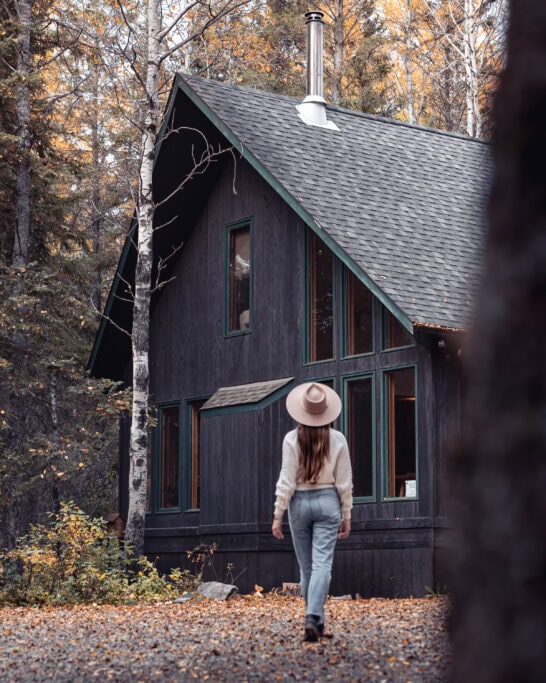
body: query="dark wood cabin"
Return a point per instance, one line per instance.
(348, 256)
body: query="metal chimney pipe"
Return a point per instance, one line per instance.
(315, 31)
(312, 111)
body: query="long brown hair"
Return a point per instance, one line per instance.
(314, 445)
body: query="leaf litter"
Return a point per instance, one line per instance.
(246, 638)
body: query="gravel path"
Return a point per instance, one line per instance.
(247, 638)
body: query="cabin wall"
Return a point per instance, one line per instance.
(391, 548)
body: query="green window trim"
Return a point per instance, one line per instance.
(157, 469)
(385, 437)
(231, 228)
(346, 380)
(310, 238)
(345, 331)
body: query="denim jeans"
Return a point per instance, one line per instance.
(314, 518)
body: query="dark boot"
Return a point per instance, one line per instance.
(311, 632)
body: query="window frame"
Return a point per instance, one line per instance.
(157, 469)
(345, 316)
(385, 433)
(230, 228)
(309, 236)
(346, 380)
(190, 407)
(387, 349)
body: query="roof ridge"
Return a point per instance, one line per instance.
(335, 108)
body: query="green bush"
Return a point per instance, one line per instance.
(74, 560)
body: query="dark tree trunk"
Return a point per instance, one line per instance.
(500, 508)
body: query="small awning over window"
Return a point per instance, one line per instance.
(247, 394)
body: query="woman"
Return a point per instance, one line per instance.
(315, 484)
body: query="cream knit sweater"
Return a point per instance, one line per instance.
(336, 471)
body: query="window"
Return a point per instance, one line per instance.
(394, 335)
(359, 316)
(194, 460)
(239, 278)
(401, 433)
(169, 449)
(320, 304)
(360, 434)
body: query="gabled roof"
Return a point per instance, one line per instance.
(404, 203)
(402, 206)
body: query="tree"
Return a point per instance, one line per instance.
(500, 553)
(162, 34)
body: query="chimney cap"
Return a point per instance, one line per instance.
(314, 15)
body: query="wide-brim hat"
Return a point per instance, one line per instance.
(313, 404)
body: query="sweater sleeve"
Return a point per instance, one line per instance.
(286, 484)
(343, 477)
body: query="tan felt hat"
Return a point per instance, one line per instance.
(313, 404)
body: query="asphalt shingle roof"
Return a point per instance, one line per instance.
(244, 393)
(405, 203)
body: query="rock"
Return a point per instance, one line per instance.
(182, 599)
(343, 597)
(216, 590)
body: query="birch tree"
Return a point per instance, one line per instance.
(165, 32)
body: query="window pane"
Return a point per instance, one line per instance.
(359, 317)
(360, 435)
(195, 471)
(239, 279)
(170, 431)
(401, 433)
(395, 335)
(321, 329)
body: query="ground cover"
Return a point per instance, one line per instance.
(246, 638)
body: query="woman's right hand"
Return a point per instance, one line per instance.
(276, 528)
(345, 528)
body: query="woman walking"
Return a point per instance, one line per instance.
(315, 485)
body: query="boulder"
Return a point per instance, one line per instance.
(216, 590)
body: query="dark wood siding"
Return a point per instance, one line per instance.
(391, 548)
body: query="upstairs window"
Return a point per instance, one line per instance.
(394, 334)
(169, 449)
(358, 316)
(320, 301)
(239, 279)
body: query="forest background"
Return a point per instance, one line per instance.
(71, 115)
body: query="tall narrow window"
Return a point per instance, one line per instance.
(359, 316)
(401, 433)
(360, 434)
(239, 278)
(321, 311)
(394, 335)
(194, 464)
(170, 457)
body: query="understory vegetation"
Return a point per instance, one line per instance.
(72, 559)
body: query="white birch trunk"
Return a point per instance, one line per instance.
(22, 224)
(142, 293)
(408, 63)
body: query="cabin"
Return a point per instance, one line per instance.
(298, 241)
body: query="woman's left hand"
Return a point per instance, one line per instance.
(276, 529)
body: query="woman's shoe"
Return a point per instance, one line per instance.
(311, 631)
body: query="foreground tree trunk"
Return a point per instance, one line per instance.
(142, 293)
(500, 553)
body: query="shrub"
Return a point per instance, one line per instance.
(74, 560)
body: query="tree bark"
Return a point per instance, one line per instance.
(22, 94)
(500, 505)
(142, 293)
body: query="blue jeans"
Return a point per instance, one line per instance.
(314, 518)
